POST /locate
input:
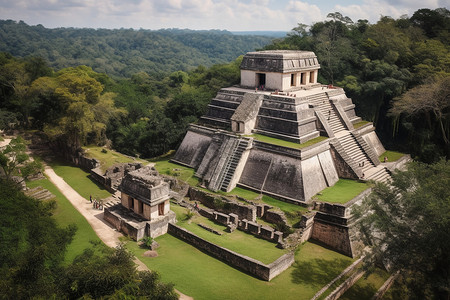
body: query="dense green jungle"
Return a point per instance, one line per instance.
(137, 90)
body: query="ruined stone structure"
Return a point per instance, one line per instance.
(145, 208)
(279, 97)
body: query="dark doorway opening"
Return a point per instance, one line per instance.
(261, 80)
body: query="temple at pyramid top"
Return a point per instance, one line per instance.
(281, 70)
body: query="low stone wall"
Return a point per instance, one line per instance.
(136, 232)
(87, 163)
(330, 208)
(247, 264)
(276, 217)
(223, 205)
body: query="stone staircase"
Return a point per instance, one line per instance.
(229, 159)
(111, 201)
(355, 152)
(230, 167)
(379, 173)
(39, 193)
(321, 103)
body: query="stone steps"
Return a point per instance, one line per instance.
(381, 175)
(39, 193)
(355, 151)
(230, 168)
(322, 103)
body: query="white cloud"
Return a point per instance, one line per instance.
(200, 14)
(372, 10)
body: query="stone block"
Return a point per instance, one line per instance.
(253, 227)
(234, 219)
(278, 237)
(221, 218)
(266, 232)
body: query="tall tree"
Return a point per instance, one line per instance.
(406, 225)
(427, 106)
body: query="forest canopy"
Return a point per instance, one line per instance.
(124, 52)
(146, 86)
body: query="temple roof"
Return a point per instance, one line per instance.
(280, 61)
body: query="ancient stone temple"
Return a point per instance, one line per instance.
(279, 97)
(145, 206)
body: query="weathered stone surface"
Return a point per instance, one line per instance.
(280, 61)
(222, 204)
(145, 185)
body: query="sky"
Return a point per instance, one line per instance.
(232, 15)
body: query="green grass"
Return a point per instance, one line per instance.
(80, 180)
(391, 155)
(164, 166)
(343, 191)
(365, 288)
(204, 277)
(275, 141)
(360, 124)
(65, 214)
(237, 241)
(110, 157)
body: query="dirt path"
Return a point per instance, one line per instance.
(104, 231)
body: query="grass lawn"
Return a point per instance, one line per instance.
(279, 142)
(237, 241)
(365, 288)
(343, 191)
(204, 277)
(65, 214)
(164, 166)
(391, 155)
(80, 180)
(109, 158)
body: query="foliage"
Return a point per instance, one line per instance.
(376, 63)
(429, 105)
(114, 275)
(124, 52)
(66, 214)
(147, 241)
(14, 159)
(32, 246)
(412, 214)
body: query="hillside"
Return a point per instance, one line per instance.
(124, 52)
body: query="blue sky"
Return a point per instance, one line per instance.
(233, 15)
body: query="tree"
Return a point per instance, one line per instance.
(84, 109)
(430, 104)
(13, 158)
(407, 227)
(32, 247)
(112, 273)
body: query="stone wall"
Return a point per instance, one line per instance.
(335, 236)
(223, 205)
(87, 163)
(247, 264)
(134, 230)
(160, 226)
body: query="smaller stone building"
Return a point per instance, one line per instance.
(145, 193)
(145, 207)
